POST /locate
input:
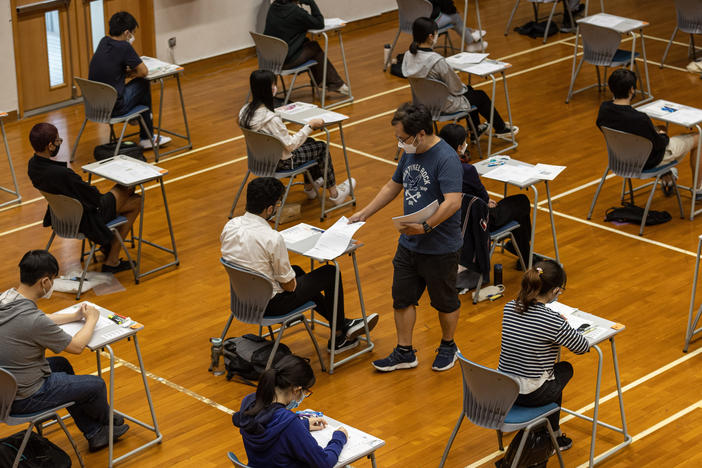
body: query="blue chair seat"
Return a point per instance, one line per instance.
(289, 172)
(133, 112)
(299, 68)
(276, 319)
(664, 168)
(521, 415)
(506, 228)
(623, 56)
(117, 221)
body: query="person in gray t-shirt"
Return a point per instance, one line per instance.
(25, 334)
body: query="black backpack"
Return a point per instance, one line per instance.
(629, 213)
(396, 68)
(247, 356)
(127, 148)
(535, 454)
(535, 29)
(39, 452)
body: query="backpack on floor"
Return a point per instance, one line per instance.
(537, 449)
(127, 148)
(39, 452)
(629, 213)
(535, 29)
(396, 68)
(246, 356)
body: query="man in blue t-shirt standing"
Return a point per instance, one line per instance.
(427, 253)
(114, 61)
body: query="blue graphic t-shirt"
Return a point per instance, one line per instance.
(427, 177)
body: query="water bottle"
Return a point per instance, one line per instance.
(216, 351)
(497, 274)
(386, 53)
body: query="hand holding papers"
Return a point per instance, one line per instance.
(329, 244)
(416, 217)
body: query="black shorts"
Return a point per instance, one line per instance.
(414, 272)
(108, 207)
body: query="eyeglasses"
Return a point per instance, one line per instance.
(404, 140)
(306, 393)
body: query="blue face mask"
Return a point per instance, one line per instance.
(295, 403)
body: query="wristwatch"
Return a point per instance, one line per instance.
(427, 228)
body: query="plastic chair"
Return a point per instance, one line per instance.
(433, 94)
(689, 21)
(271, 53)
(627, 155)
(8, 391)
(263, 153)
(408, 11)
(535, 6)
(601, 49)
(66, 213)
(488, 401)
(250, 293)
(99, 100)
(235, 461)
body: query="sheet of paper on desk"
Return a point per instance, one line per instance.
(548, 171)
(328, 117)
(74, 327)
(595, 334)
(335, 240)
(299, 233)
(561, 308)
(416, 217)
(358, 442)
(157, 66)
(485, 67)
(687, 115)
(466, 58)
(126, 170)
(295, 107)
(333, 22)
(575, 321)
(512, 173)
(604, 20)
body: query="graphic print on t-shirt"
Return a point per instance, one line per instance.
(415, 181)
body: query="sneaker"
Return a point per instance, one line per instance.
(343, 89)
(344, 190)
(354, 327)
(148, 144)
(507, 132)
(397, 360)
(476, 46)
(445, 358)
(313, 192)
(564, 443)
(342, 344)
(667, 185)
(477, 35)
(123, 265)
(102, 440)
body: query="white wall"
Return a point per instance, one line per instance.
(207, 28)
(8, 79)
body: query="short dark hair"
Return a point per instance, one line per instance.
(41, 135)
(262, 193)
(414, 118)
(122, 21)
(421, 28)
(621, 81)
(453, 134)
(37, 264)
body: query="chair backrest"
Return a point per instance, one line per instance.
(250, 292)
(488, 394)
(410, 10)
(66, 213)
(689, 16)
(599, 44)
(263, 151)
(271, 52)
(627, 152)
(431, 93)
(236, 461)
(98, 99)
(8, 390)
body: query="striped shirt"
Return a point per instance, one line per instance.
(530, 340)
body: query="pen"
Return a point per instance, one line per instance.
(317, 229)
(309, 414)
(106, 160)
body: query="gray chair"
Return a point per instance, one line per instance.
(627, 155)
(408, 11)
(66, 213)
(235, 461)
(99, 101)
(689, 14)
(535, 6)
(488, 402)
(271, 53)
(601, 49)
(250, 293)
(8, 391)
(433, 94)
(263, 153)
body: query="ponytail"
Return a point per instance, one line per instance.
(290, 371)
(538, 280)
(421, 29)
(414, 47)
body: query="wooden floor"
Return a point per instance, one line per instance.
(642, 282)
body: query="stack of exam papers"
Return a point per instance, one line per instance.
(520, 174)
(465, 58)
(156, 66)
(330, 244)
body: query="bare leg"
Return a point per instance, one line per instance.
(693, 161)
(448, 324)
(127, 204)
(404, 325)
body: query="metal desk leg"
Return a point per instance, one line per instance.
(346, 69)
(509, 112)
(491, 129)
(350, 201)
(533, 223)
(324, 68)
(690, 331)
(185, 114)
(575, 60)
(324, 176)
(111, 402)
(596, 409)
(553, 223)
(480, 27)
(372, 458)
(157, 136)
(648, 96)
(18, 197)
(141, 233)
(346, 162)
(620, 397)
(695, 179)
(187, 136)
(332, 329)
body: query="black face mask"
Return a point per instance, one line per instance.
(55, 151)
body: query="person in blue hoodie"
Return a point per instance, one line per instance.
(274, 436)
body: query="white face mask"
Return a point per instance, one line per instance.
(555, 296)
(131, 38)
(462, 149)
(436, 39)
(295, 403)
(407, 147)
(47, 294)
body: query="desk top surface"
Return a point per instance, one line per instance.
(485, 68)
(487, 165)
(617, 23)
(669, 111)
(125, 170)
(302, 112)
(302, 237)
(601, 330)
(106, 331)
(159, 69)
(330, 24)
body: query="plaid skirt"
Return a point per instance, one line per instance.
(310, 150)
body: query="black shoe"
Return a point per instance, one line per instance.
(123, 265)
(101, 439)
(342, 344)
(564, 443)
(509, 247)
(117, 420)
(354, 327)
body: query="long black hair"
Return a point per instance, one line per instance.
(290, 371)
(261, 82)
(421, 28)
(538, 280)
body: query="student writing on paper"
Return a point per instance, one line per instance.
(287, 20)
(531, 337)
(513, 208)
(618, 114)
(259, 115)
(43, 383)
(55, 177)
(423, 62)
(427, 253)
(249, 241)
(444, 12)
(114, 61)
(274, 436)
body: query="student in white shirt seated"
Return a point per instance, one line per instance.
(249, 241)
(423, 62)
(259, 115)
(531, 337)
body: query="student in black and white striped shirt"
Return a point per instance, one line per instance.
(531, 337)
